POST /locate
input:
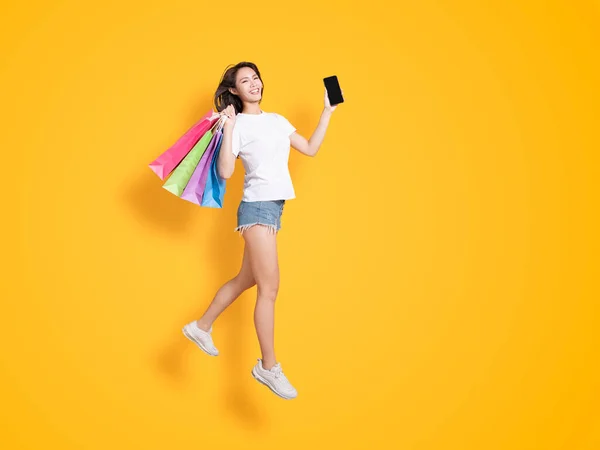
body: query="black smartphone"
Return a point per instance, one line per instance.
(334, 92)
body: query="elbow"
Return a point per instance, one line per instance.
(225, 173)
(310, 151)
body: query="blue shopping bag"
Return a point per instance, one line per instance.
(215, 185)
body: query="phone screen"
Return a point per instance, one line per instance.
(334, 92)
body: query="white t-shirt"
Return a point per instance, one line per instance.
(262, 142)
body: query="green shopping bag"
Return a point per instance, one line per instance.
(182, 174)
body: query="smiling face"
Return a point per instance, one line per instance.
(248, 86)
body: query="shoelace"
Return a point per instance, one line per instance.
(277, 371)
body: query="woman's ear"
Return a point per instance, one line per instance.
(233, 91)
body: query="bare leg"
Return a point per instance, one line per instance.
(262, 247)
(228, 293)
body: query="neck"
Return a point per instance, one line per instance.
(251, 108)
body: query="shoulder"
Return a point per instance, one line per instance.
(273, 118)
(283, 124)
(280, 119)
(240, 122)
(277, 116)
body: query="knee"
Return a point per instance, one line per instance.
(268, 291)
(244, 283)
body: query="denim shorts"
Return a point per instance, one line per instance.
(266, 213)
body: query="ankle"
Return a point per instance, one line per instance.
(268, 364)
(204, 326)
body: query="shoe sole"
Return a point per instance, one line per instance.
(198, 343)
(261, 380)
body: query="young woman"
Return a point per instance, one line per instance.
(262, 140)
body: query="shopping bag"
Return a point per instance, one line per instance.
(170, 159)
(214, 191)
(181, 175)
(195, 188)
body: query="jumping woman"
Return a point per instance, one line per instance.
(262, 141)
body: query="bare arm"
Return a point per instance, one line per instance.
(311, 146)
(226, 161)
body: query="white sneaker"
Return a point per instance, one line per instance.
(275, 380)
(201, 338)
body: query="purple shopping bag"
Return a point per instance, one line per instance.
(194, 190)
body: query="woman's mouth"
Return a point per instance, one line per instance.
(255, 92)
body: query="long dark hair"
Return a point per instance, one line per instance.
(224, 98)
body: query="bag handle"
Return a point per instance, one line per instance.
(220, 124)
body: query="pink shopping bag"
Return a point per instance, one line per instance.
(166, 162)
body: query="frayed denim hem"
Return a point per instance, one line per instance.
(272, 228)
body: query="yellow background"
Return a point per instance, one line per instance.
(438, 266)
